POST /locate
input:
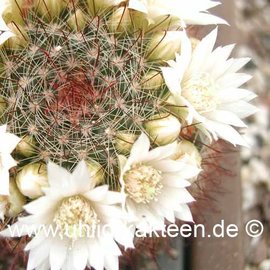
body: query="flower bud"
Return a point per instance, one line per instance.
(31, 179)
(164, 45)
(77, 20)
(19, 40)
(16, 200)
(50, 9)
(11, 205)
(96, 171)
(97, 7)
(3, 207)
(179, 110)
(120, 21)
(152, 80)
(189, 150)
(124, 141)
(163, 128)
(13, 11)
(26, 146)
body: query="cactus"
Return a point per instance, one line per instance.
(73, 90)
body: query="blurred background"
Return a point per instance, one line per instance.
(253, 21)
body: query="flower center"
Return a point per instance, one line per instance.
(76, 218)
(200, 92)
(143, 183)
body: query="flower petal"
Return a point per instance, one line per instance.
(58, 253)
(81, 178)
(8, 142)
(98, 194)
(225, 132)
(57, 176)
(226, 117)
(80, 254)
(173, 180)
(96, 255)
(184, 213)
(139, 149)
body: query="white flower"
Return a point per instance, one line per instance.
(5, 32)
(8, 142)
(155, 185)
(206, 84)
(187, 11)
(79, 213)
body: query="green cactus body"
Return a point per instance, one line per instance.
(73, 90)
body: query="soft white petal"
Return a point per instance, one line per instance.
(113, 197)
(3, 129)
(39, 254)
(191, 12)
(81, 178)
(172, 79)
(8, 142)
(184, 213)
(149, 219)
(205, 19)
(237, 64)
(226, 117)
(168, 165)
(7, 161)
(121, 233)
(58, 252)
(45, 265)
(174, 196)
(45, 203)
(202, 52)
(173, 180)
(36, 241)
(234, 95)
(189, 172)
(173, 75)
(164, 211)
(5, 36)
(58, 176)
(98, 194)
(111, 262)
(80, 254)
(40, 219)
(161, 152)
(137, 5)
(167, 212)
(139, 149)
(111, 247)
(241, 108)
(107, 212)
(96, 255)
(226, 132)
(233, 80)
